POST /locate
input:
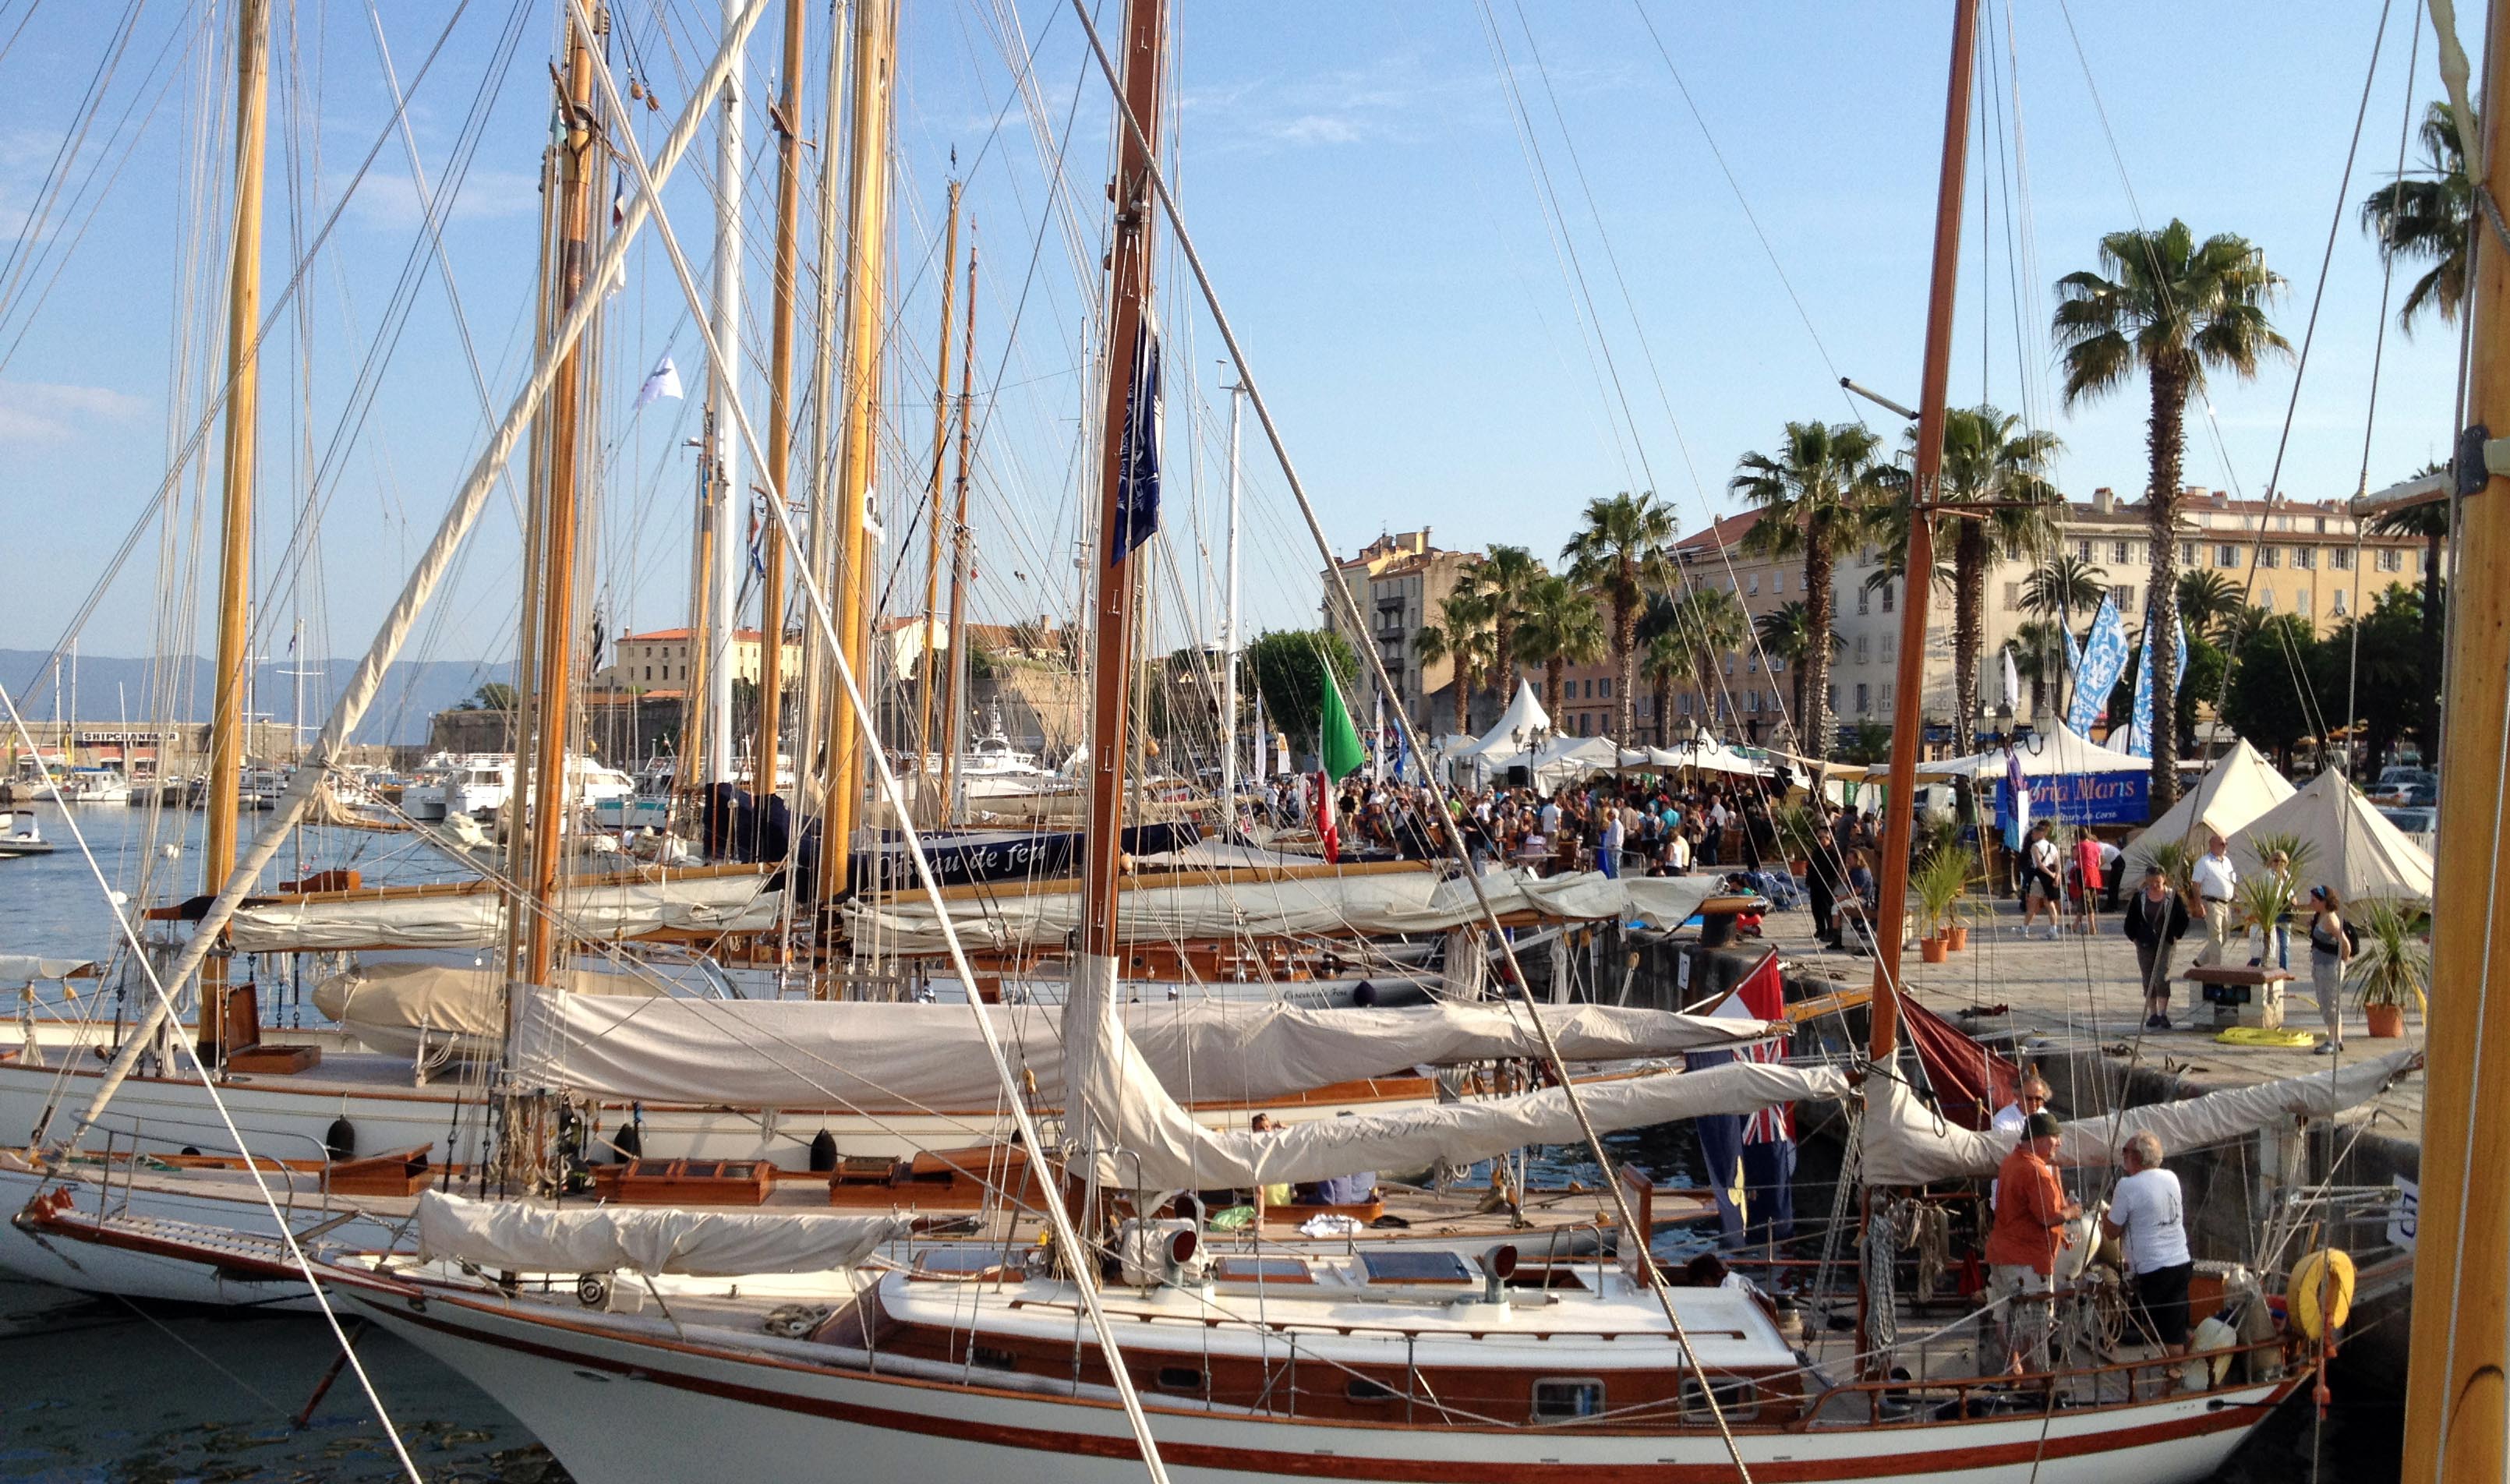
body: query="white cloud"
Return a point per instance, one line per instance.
(390, 202)
(49, 412)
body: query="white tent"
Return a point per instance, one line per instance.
(1561, 760)
(2240, 786)
(2059, 750)
(2353, 848)
(1524, 723)
(1699, 751)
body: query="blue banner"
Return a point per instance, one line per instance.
(2082, 798)
(1137, 481)
(2138, 737)
(2103, 661)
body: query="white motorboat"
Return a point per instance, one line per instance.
(23, 834)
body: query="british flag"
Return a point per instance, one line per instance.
(1751, 1159)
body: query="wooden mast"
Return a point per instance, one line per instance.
(924, 738)
(866, 235)
(2458, 1351)
(1130, 285)
(786, 118)
(955, 706)
(1916, 585)
(1908, 703)
(556, 644)
(227, 719)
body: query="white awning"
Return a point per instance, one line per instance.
(524, 1238)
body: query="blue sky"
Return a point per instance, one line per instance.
(1474, 297)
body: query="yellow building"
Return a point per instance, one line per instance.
(659, 661)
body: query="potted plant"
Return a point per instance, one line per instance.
(1794, 825)
(1937, 884)
(2263, 900)
(2392, 967)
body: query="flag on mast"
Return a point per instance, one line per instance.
(663, 382)
(1138, 480)
(1339, 755)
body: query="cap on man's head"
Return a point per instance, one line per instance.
(2042, 1125)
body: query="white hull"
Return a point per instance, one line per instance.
(620, 1412)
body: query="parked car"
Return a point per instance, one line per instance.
(2399, 785)
(2417, 823)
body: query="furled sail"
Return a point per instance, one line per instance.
(1276, 904)
(1145, 1140)
(522, 1238)
(703, 902)
(1906, 1143)
(850, 1054)
(399, 1007)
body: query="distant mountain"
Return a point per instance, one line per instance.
(109, 690)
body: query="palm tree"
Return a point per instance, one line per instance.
(1623, 549)
(2427, 217)
(1557, 625)
(2062, 587)
(1663, 660)
(2206, 599)
(1707, 622)
(1817, 494)
(1464, 638)
(2174, 308)
(2430, 521)
(1503, 579)
(1786, 637)
(2000, 470)
(2037, 647)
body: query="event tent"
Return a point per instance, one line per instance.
(1523, 723)
(2352, 845)
(2059, 749)
(2240, 786)
(1560, 760)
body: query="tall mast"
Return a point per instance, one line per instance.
(955, 705)
(1229, 633)
(227, 719)
(1907, 704)
(788, 119)
(923, 736)
(2454, 1382)
(727, 491)
(819, 675)
(556, 585)
(867, 202)
(1125, 349)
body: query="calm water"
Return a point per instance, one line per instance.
(102, 1393)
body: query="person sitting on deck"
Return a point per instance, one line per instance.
(2147, 1219)
(2031, 1217)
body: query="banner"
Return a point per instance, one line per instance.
(2082, 798)
(1137, 481)
(2103, 661)
(2138, 737)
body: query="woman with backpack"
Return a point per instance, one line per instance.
(2330, 949)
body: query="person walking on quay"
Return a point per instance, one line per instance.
(2147, 1219)
(2039, 863)
(2216, 880)
(2156, 918)
(2087, 878)
(2331, 950)
(2031, 1217)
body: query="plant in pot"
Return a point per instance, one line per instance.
(1794, 825)
(2263, 900)
(1936, 885)
(2392, 967)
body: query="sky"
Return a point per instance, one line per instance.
(1486, 262)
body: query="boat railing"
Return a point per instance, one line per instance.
(284, 1190)
(1908, 1402)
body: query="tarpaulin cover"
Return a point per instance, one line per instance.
(523, 1237)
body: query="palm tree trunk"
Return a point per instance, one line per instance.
(1625, 657)
(1503, 670)
(2428, 721)
(1463, 697)
(2166, 437)
(1553, 669)
(1816, 669)
(1663, 710)
(1969, 596)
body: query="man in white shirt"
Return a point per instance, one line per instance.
(2146, 1217)
(1550, 819)
(2040, 860)
(1608, 848)
(2215, 881)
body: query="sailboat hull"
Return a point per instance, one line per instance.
(619, 1411)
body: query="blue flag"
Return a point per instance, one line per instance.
(2103, 660)
(2138, 737)
(1137, 481)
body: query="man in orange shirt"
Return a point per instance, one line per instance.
(2031, 1217)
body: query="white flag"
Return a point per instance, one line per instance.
(664, 382)
(2012, 682)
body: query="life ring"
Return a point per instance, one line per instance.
(2331, 1269)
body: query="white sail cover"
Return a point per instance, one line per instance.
(1269, 905)
(1145, 1141)
(398, 1007)
(788, 1054)
(518, 1237)
(1906, 1143)
(2240, 786)
(2352, 845)
(26, 968)
(712, 904)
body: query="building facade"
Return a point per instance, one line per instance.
(659, 661)
(1397, 583)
